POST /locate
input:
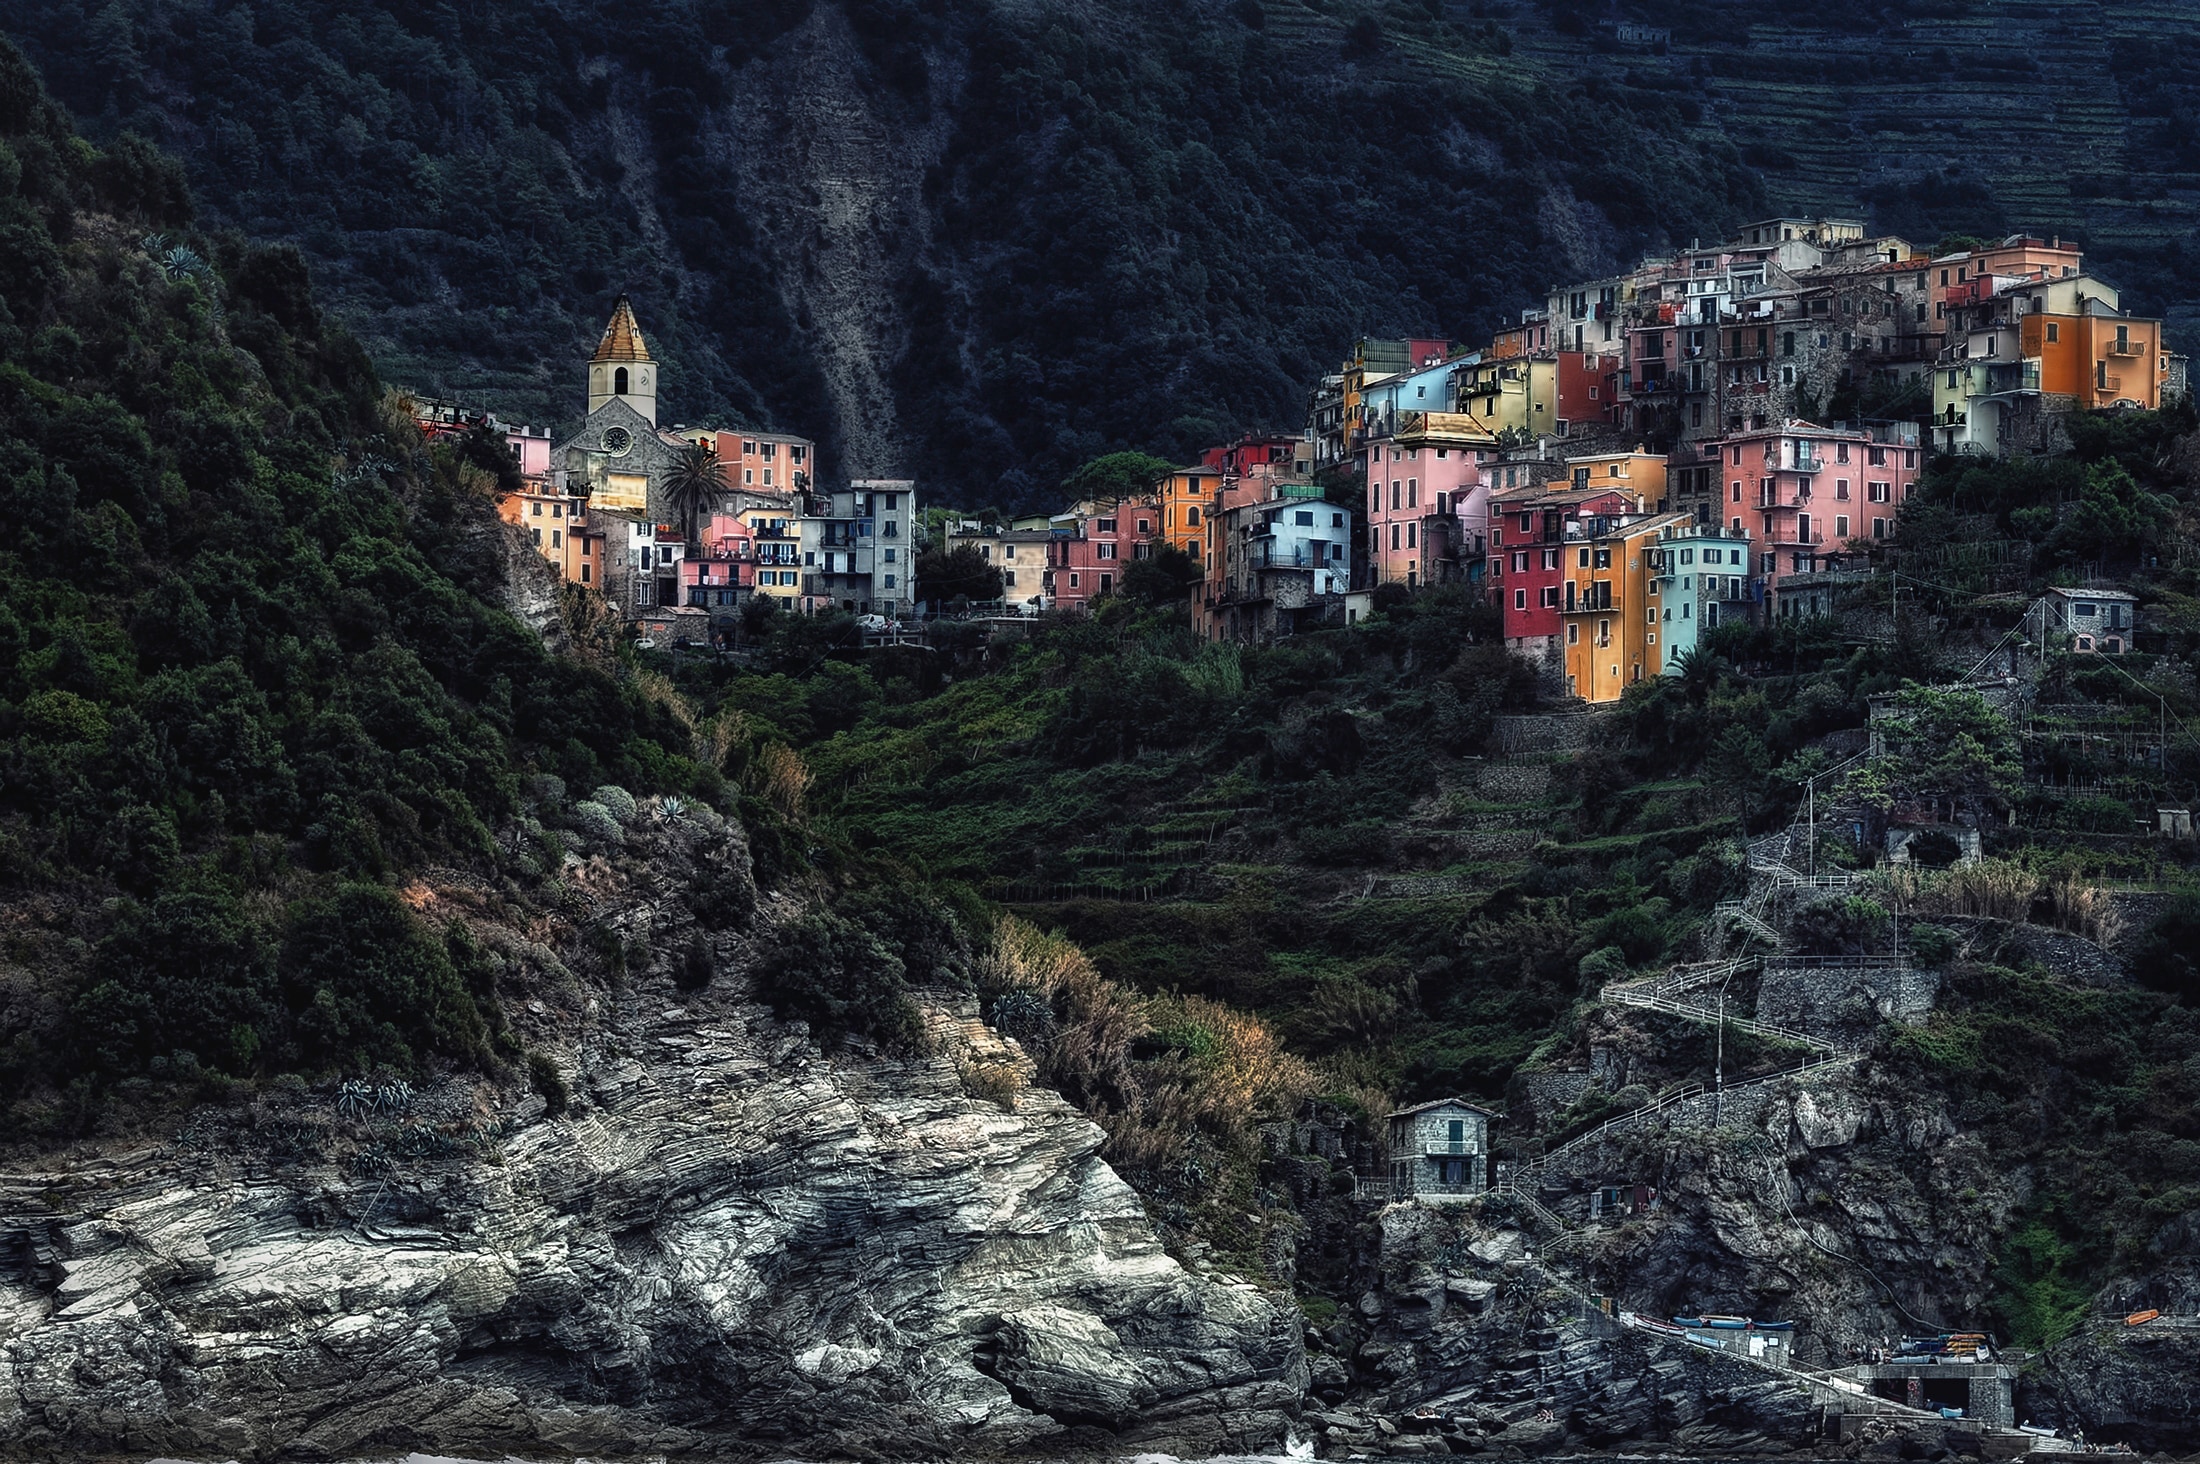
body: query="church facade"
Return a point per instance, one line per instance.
(791, 539)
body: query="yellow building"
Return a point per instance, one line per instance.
(1510, 394)
(1610, 604)
(1640, 473)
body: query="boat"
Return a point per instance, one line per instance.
(1730, 1323)
(1688, 1321)
(1774, 1326)
(2038, 1431)
(2141, 1318)
(1951, 1412)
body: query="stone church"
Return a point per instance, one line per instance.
(618, 461)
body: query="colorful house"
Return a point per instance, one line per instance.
(1089, 548)
(1810, 497)
(1701, 580)
(1611, 607)
(1531, 531)
(1186, 495)
(1285, 564)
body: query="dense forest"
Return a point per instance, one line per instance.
(245, 678)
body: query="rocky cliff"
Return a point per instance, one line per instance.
(728, 1242)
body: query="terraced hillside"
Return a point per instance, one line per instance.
(1932, 118)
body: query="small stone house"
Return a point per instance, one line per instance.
(2090, 620)
(1440, 1149)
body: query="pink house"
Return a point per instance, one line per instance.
(1425, 509)
(1093, 544)
(724, 571)
(1812, 499)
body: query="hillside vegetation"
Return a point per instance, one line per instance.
(245, 683)
(1051, 233)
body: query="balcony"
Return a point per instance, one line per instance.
(2108, 383)
(1806, 463)
(2127, 348)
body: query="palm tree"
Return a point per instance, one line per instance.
(693, 484)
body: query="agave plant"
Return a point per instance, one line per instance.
(177, 261)
(671, 809)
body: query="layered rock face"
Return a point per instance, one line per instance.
(729, 1244)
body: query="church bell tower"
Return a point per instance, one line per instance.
(621, 368)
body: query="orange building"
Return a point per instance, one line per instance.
(1610, 606)
(775, 461)
(1187, 497)
(1639, 473)
(558, 526)
(2098, 359)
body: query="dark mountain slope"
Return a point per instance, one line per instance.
(972, 241)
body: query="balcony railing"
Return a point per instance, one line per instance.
(2127, 348)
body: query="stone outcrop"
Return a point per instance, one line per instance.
(728, 1243)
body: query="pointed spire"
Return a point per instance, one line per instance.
(622, 338)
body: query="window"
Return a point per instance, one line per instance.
(1303, 517)
(2054, 331)
(1410, 543)
(1073, 581)
(1841, 489)
(1520, 562)
(1413, 493)
(586, 573)
(1840, 526)
(1573, 638)
(1103, 551)
(1878, 492)
(893, 530)
(1336, 521)
(767, 477)
(1583, 559)
(1550, 597)
(618, 382)
(1550, 559)
(889, 556)
(1145, 526)
(1192, 517)
(1393, 536)
(1520, 599)
(1105, 526)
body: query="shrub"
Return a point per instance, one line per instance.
(618, 801)
(544, 1077)
(597, 823)
(830, 972)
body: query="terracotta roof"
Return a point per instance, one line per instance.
(622, 338)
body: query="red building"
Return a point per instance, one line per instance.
(1529, 532)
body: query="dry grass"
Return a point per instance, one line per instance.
(781, 778)
(1998, 889)
(1217, 1072)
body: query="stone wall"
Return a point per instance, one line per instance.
(1844, 1003)
(1513, 782)
(2070, 956)
(1548, 732)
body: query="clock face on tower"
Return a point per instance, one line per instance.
(616, 441)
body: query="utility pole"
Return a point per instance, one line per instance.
(1810, 801)
(1718, 1069)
